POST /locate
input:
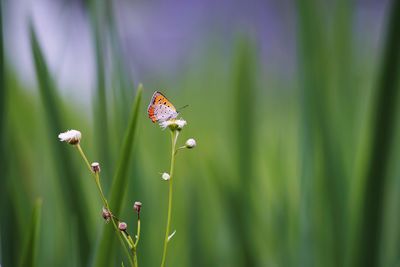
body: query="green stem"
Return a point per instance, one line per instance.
(179, 148)
(137, 242)
(105, 203)
(174, 137)
(127, 239)
(78, 146)
(132, 247)
(135, 258)
(134, 264)
(138, 233)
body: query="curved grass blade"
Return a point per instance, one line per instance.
(119, 188)
(2, 80)
(318, 123)
(29, 254)
(383, 127)
(245, 91)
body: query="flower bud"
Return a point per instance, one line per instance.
(96, 167)
(72, 137)
(106, 214)
(165, 176)
(190, 143)
(122, 226)
(137, 206)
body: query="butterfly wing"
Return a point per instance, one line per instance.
(160, 108)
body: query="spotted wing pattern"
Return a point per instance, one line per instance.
(160, 108)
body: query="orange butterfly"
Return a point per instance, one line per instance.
(161, 109)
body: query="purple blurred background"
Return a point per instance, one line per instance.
(166, 37)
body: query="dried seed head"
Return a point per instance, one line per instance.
(72, 137)
(122, 226)
(96, 167)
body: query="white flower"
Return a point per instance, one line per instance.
(71, 136)
(165, 176)
(173, 124)
(190, 143)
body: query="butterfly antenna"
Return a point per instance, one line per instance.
(185, 106)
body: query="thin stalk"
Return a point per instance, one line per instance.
(78, 146)
(131, 243)
(179, 148)
(138, 233)
(127, 239)
(135, 257)
(132, 246)
(174, 137)
(133, 263)
(137, 241)
(105, 203)
(103, 198)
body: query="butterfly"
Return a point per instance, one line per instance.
(161, 109)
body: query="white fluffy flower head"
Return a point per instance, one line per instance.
(173, 124)
(72, 137)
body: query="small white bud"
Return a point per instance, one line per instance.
(190, 143)
(95, 167)
(165, 176)
(72, 137)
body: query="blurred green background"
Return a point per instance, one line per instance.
(294, 106)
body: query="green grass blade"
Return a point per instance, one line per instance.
(119, 186)
(244, 85)
(29, 255)
(2, 79)
(120, 177)
(383, 129)
(74, 195)
(308, 45)
(3, 88)
(319, 122)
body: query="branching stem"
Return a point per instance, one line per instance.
(129, 241)
(174, 138)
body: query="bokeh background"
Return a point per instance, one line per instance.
(294, 106)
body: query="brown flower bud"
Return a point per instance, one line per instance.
(96, 167)
(137, 206)
(106, 214)
(122, 226)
